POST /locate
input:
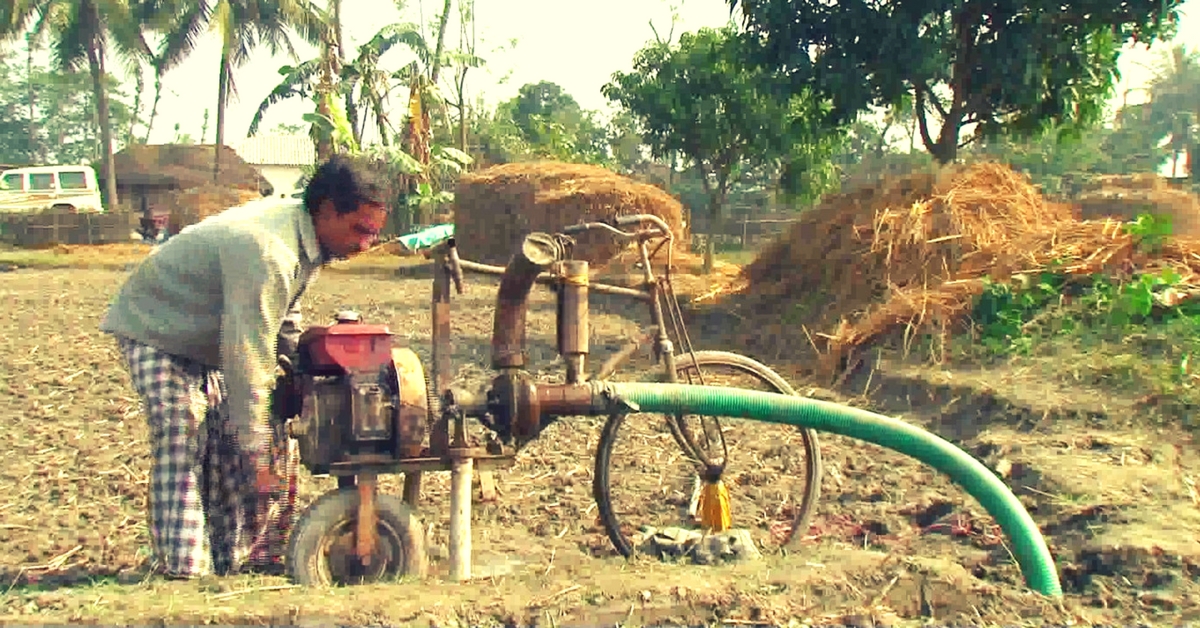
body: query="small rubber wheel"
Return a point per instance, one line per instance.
(321, 550)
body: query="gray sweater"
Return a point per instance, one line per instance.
(217, 293)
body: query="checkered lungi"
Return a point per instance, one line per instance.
(206, 513)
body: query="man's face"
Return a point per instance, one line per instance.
(345, 235)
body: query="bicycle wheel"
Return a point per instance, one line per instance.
(645, 480)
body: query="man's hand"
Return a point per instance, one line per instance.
(268, 482)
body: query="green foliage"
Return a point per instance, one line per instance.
(703, 99)
(543, 122)
(1006, 315)
(1000, 64)
(1010, 318)
(361, 83)
(1120, 337)
(336, 126)
(1130, 145)
(1150, 232)
(624, 142)
(65, 129)
(1002, 312)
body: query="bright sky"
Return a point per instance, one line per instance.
(578, 45)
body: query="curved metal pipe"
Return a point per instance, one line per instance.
(538, 252)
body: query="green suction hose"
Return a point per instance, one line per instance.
(1030, 549)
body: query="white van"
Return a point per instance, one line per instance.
(39, 188)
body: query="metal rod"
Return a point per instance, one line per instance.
(615, 361)
(365, 537)
(548, 279)
(460, 519)
(439, 432)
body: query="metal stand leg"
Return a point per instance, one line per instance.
(460, 519)
(412, 489)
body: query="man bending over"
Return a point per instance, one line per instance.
(198, 324)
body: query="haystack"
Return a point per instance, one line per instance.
(497, 207)
(187, 207)
(185, 166)
(913, 253)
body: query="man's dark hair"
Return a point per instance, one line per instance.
(347, 181)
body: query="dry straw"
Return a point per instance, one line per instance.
(497, 207)
(912, 254)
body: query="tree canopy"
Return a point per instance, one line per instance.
(999, 65)
(63, 128)
(703, 99)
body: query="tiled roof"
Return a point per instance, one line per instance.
(278, 150)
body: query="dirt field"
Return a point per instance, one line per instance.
(892, 543)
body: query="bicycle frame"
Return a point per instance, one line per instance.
(654, 292)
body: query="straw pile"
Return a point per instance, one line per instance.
(185, 166)
(497, 207)
(188, 207)
(686, 272)
(913, 253)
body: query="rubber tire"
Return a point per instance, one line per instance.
(337, 506)
(608, 437)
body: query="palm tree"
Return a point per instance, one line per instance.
(81, 32)
(243, 25)
(1175, 101)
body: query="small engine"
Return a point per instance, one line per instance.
(352, 398)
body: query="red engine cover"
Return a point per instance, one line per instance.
(351, 346)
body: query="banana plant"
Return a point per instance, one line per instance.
(443, 160)
(361, 76)
(332, 128)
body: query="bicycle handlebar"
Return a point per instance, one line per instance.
(658, 226)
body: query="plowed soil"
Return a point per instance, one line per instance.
(892, 543)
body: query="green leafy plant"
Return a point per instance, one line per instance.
(1005, 314)
(1150, 231)
(1003, 310)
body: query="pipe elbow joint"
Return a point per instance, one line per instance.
(538, 252)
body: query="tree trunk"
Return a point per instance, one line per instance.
(716, 223)
(137, 107)
(222, 98)
(335, 7)
(441, 42)
(1193, 172)
(710, 249)
(381, 123)
(462, 128)
(324, 138)
(716, 198)
(325, 95)
(34, 152)
(1191, 152)
(96, 66)
(945, 148)
(462, 110)
(154, 104)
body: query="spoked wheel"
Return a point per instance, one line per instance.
(321, 551)
(648, 475)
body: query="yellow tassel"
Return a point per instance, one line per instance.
(713, 507)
